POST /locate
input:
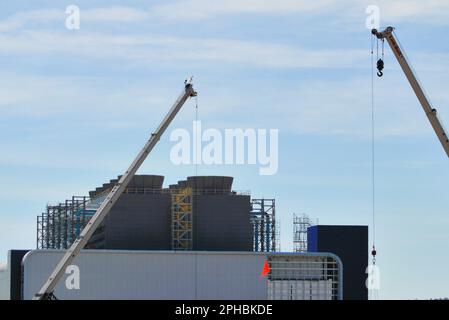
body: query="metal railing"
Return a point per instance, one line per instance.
(143, 190)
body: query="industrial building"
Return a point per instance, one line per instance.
(350, 244)
(332, 268)
(182, 275)
(195, 239)
(4, 282)
(199, 213)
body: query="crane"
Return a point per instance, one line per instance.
(431, 112)
(46, 292)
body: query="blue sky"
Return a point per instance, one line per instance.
(76, 106)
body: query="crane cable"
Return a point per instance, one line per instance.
(196, 139)
(379, 73)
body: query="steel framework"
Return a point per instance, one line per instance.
(60, 225)
(300, 225)
(263, 219)
(182, 219)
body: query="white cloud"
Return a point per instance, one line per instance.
(113, 14)
(328, 107)
(429, 12)
(201, 9)
(19, 19)
(147, 50)
(47, 16)
(82, 99)
(403, 9)
(344, 107)
(315, 106)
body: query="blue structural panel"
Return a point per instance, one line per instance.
(350, 243)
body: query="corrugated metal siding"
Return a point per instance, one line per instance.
(153, 275)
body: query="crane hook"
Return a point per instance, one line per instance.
(380, 67)
(374, 253)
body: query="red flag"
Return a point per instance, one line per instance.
(266, 269)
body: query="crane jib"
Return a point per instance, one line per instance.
(431, 112)
(46, 291)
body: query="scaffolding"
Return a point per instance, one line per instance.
(182, 218)
(60, 225)
(300, 225)
(263, 219)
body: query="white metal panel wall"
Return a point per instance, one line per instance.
(233, 276)
(152, 275)
(4, 282)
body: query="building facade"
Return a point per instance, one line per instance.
(350, 243)
(199, 213)
(189, 275)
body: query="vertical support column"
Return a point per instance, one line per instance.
(182, 219)
(65, 231)
(53, 227)
(38, 233)
(263, 220)
(47, 229)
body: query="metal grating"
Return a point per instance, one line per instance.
(304, 277)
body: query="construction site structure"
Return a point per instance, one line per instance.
(61, 224)
(198, 213)
(265, 225)
(46, 292)
(182, 219)
(301, 222)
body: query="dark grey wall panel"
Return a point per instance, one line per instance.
(139, 222)
(15, 264)
(203, 183)
(222, 222)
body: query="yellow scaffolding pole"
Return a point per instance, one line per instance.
(182, 219)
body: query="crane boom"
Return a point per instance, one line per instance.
(46, 292)
(431, 112)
